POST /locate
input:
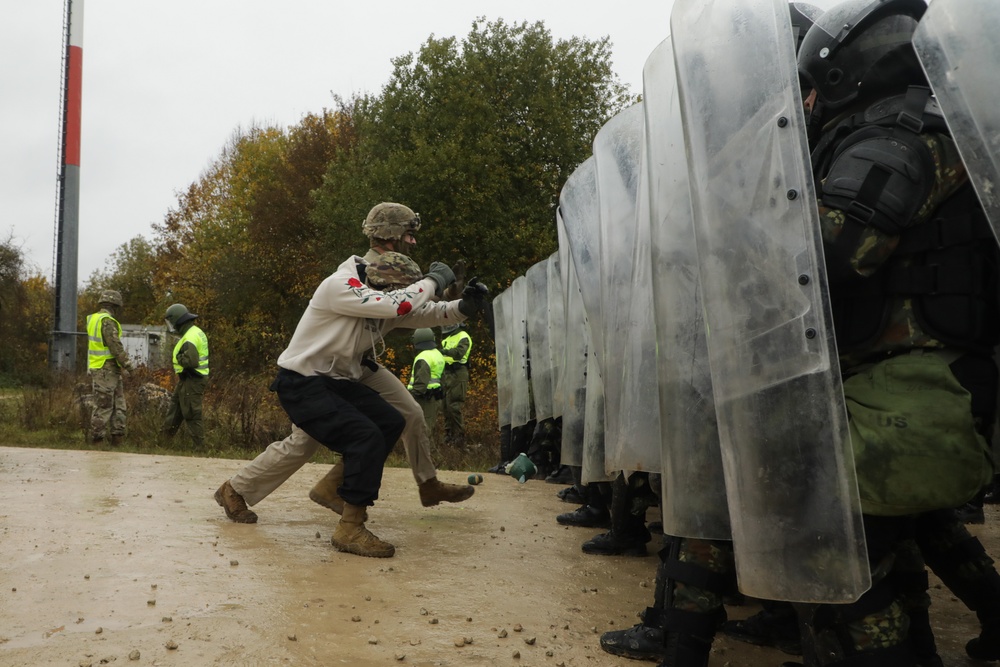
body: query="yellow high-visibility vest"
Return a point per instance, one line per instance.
(97, 351)
(196, 337)
(436, 361)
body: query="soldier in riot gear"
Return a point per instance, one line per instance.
(190, 361)
(913, 272)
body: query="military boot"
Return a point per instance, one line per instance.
(234, 505)
(433, 492)
(776, 624)
(640, 642)
(325, 492)
(117, 440)
(352, 537)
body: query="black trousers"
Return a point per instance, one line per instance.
(348, 418)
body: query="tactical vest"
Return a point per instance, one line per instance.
(452, 341)
(435, 361)
(875, 168)
(97, 351)
(196, 337)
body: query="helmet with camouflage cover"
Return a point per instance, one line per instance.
(423, 339)
(110, 296)
(392, 270)
(390, 221)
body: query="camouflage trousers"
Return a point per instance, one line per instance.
(185, 407)
(456, 384)
(109, 402)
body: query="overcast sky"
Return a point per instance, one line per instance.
(165, 84)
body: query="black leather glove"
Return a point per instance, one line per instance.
(473, 298)
(442, 275)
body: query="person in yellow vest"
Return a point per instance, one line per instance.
(190, 359)
(456, 348)
(107, 363)
(425, 376)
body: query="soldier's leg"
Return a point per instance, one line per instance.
(628, 535)
(699, 574)
(908, 578)
(960, 561)
(272, 467)
(191, 409)
(415, 438)
(119, 415)
(456, 385)
(103, 383)
(173, 419)
(643, 641)
(872, 632)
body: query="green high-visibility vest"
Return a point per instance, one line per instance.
(97, 351)
(436, 361)
(452, 341)
(196, 337)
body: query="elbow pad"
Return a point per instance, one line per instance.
(880, 179)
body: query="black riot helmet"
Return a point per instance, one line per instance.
(860, 49)
(803, 17)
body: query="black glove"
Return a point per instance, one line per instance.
(473, 298)
(442, 275)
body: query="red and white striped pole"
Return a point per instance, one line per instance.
(63, 347)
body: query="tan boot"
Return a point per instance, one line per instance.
(325, 491)
(236, 508)
(352, 537)
(433, 492)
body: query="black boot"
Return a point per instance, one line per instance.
(594, 514)
(776, 624)
(573, 494)
(628, 535)
(640, 642)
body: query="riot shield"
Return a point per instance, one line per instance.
(581, 222)
(520, 370)
(573, 376)
(501, 314)
(690, 442)
(581, 217)
(790, 483)
(632, 428)
(538, 334)
(556, 330)
(593, 469)
(957, 47)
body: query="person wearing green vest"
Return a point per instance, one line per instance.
(456, 347)
(425, 376)
(107, 363)
(190, 359)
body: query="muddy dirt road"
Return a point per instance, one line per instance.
(125, 559)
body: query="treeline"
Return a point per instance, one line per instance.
(477, 135)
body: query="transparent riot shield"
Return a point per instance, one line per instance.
(502, 315)
(581, 222)
(690, 442)
(958, 49)
(593, 468)
(538, 334)
(573, 377)
(632, 428)
(556, 330)
(581, 217)
(790, 483)
(520, 370)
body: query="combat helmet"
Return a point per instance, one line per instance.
(449, 328)
(177, 315)
(110, 296)
(390, 221)
(861, 48)
(392, 270)
(423, 339)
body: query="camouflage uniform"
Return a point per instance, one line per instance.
(109, 392)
